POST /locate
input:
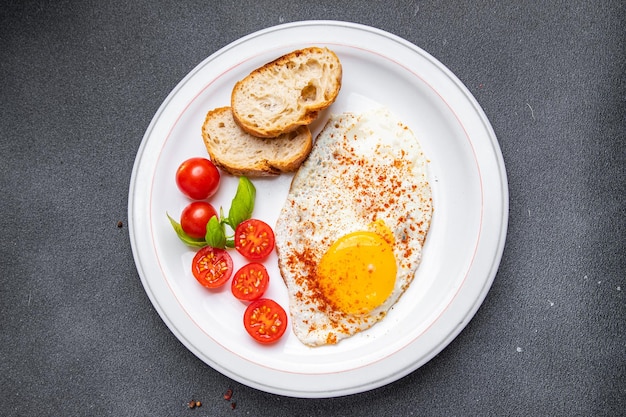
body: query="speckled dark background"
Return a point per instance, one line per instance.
(79, 84)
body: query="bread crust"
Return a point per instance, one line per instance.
(287, 92)
(239, 153)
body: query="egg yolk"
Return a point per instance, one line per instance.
(358, 272)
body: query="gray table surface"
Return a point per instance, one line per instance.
(80, 82)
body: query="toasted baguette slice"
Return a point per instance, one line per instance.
(240, 153)
(287, 93)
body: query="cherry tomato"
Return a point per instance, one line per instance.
(254, 239)
(265, 320)
(195, 217)
(212, 267)
(197, 178)
(250, 282)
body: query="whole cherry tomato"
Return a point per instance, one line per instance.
(198, 178)
(195, 217)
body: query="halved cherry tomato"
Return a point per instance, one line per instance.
(195, 217)
(250, 282)
(265, 320)
(254, 239)
(197, 178)
(212, 267)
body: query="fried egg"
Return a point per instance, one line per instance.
(350, 235)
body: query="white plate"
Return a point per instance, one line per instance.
(460, 258)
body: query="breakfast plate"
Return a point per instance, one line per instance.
(462, 251)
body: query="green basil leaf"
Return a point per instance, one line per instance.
(242, 204)
(215, 235)
(184, 236)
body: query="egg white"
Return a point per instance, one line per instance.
(363, 168)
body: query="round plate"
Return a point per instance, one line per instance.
(462, 251)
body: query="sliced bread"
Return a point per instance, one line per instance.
(240, 153)
(287, 93)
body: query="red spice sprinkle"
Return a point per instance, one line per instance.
(228, 394)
